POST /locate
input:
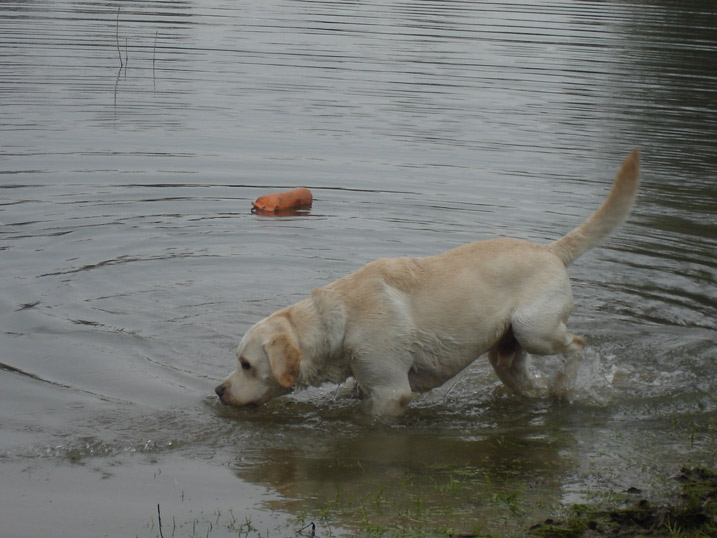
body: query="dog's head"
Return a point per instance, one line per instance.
(268, 358)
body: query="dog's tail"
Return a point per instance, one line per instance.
(608, 216)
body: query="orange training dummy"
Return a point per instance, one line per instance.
(279, 202)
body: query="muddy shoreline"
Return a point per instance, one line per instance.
(694, 513)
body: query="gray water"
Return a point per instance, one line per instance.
(131, 146)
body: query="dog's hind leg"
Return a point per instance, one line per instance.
(508, 360)
(539, 326)
(546, 336)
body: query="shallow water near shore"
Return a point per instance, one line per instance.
(131, 265)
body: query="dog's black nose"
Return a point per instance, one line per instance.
(220, 390)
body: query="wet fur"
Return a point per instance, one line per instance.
(405, 325)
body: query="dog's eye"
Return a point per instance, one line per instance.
(244, 364)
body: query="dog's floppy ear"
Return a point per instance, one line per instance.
(284, 359)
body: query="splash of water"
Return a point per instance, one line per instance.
(589, 377)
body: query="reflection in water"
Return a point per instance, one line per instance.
(447, 469)
(385, 478)
(131, 263)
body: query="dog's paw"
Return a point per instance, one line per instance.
(349, 390)
(577, 344)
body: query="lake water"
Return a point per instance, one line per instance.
(131, 145)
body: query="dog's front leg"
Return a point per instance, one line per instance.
(386, 386)
(389, 401)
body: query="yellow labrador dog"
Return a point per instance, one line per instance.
(404, 325)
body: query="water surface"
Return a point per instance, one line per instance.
(132, 143)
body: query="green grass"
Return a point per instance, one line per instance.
(397, 510)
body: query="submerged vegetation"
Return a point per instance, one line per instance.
(691, 514)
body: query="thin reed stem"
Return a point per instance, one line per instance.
(119, 52)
